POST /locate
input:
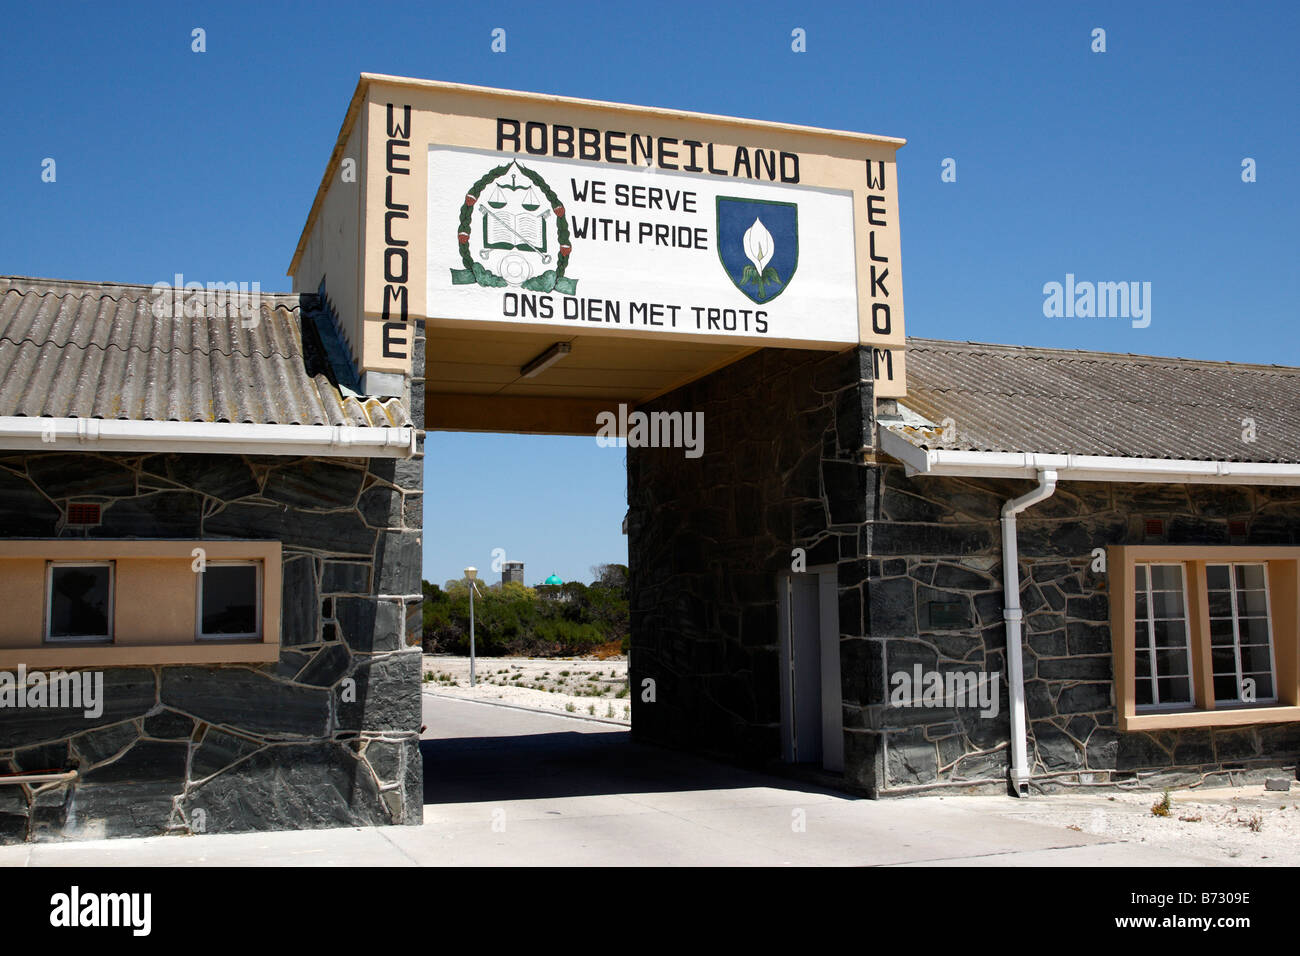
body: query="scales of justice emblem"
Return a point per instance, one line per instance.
(513, 231)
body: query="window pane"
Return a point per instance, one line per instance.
(1252, 603)
(1140, 577)
(1167, 604)
(1225, 688)
(1221, 604)
(1256, 660)
(1143, 637)
(1143, 692)
(1216, 577)
(1171, 663)
(1263, 686)
(79, 601)
(1250, 576)
(1240, 636)
(1140, 605)
(1254, 630)
(1166, 577)
(230, 599)
(1171, 634)
(1174, 690)
(1221, 632)
(1143, 662)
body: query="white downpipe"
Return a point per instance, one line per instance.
(1012, 614)
(352, 441)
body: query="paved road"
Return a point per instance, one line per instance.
(507, 787)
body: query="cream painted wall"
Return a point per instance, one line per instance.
(155, 601)
(22, 595)
(333, 249)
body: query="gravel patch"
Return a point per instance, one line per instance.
(573, 685)
(1235, 826)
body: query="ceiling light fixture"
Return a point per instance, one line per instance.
(546, 359)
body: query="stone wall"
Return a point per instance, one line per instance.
(937, 540)
(788, 463)
(783, 435)
(327, 736)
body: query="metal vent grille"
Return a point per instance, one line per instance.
(83, 513)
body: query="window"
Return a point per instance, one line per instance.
(229, 604)
(1241, 638)
(112, 602)
(1163, 663)
(1205, 636)
(79, 602)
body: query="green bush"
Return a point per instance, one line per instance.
(515, 620)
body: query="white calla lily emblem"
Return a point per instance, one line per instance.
(759, 245)
(759, 248)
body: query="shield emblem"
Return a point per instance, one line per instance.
(758, 243)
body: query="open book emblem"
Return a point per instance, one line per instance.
(513, 231)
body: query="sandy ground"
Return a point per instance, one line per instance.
(1233, 826)
(574, 685)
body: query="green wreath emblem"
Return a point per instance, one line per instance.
(476, 272)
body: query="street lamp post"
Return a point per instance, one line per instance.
(471, 574)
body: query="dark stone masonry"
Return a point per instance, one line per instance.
(937, 540)
(326, 736)
(253, 747)
(788, 463)
(783, 435)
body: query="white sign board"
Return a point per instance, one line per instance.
(586, 246)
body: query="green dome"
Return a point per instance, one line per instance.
(554, 579)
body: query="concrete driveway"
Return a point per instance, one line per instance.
(513, 787)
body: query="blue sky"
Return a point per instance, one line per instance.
(1115, 166)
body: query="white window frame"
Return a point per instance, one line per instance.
(1231, 702)
(1156, 706)
(49, 602)
(256, 635)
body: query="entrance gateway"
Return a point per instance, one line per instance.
(817, 529)
(834, 519)
(565, 262)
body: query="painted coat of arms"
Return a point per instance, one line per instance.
(758, 243)
(513, 231)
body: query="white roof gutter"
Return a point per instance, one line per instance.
(923, 461)
(219, 438)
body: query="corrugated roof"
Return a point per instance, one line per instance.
(98, 350)
(1006, 398)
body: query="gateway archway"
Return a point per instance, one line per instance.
(722, 294)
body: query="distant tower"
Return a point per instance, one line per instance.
(512, 571)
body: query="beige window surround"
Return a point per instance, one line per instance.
(1283, 572)
(154, 603)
